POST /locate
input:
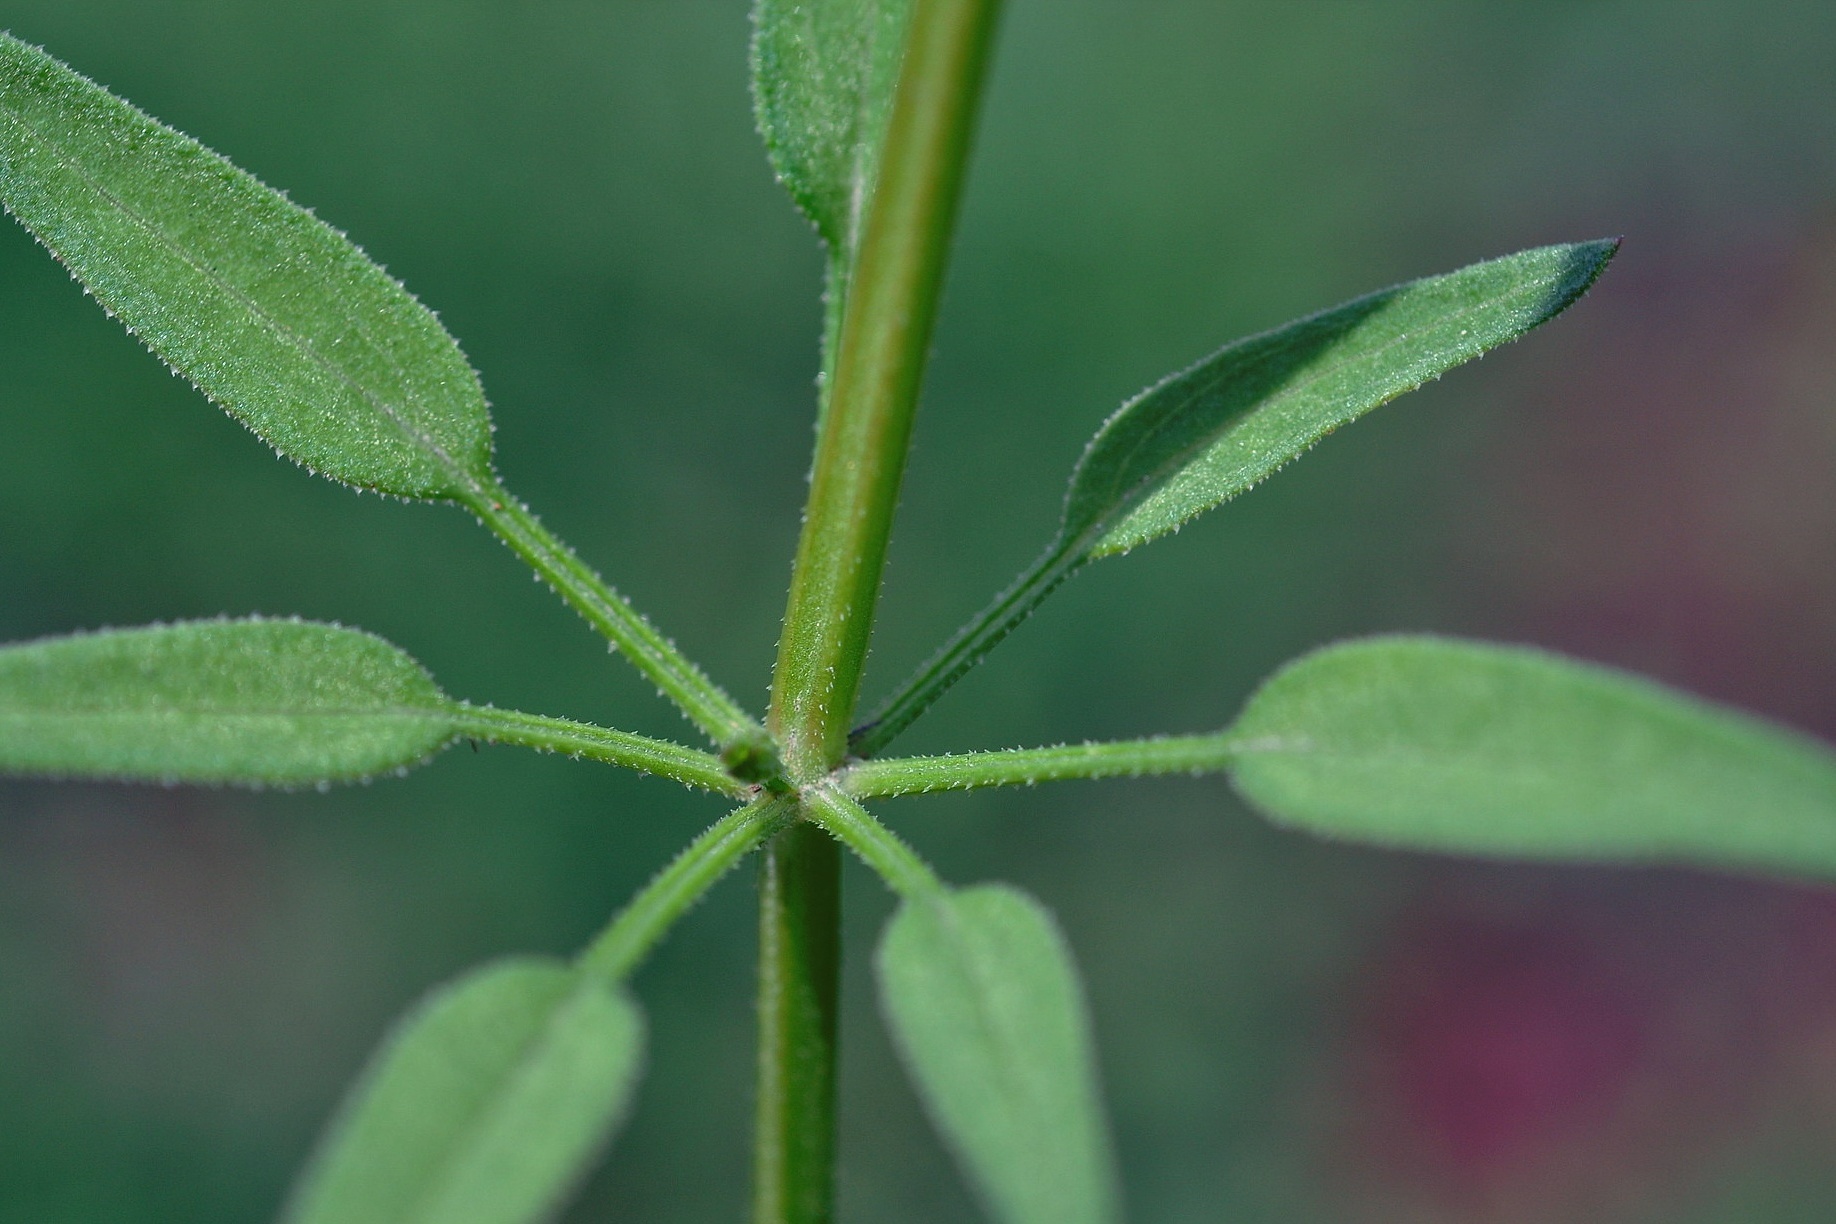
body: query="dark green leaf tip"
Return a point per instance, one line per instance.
(1212, 432)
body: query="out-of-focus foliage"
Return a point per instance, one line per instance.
(1467, 747)
(480, 1106)
(985, 1005)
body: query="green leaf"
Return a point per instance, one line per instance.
(984, 1003)
(823, 73)
(279, 702)
(485, 1106)
(1214, 431)
(270, 312)
(1433, 744)
(1210, 433)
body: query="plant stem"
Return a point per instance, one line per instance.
(1190, 754)
(885, 336)
(689, 766)
(678, 679)
(799, 971)
(622, 946)
(861, 445)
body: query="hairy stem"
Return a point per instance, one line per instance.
(878, 846)
(622, 946)
(877, 360)
(689, 766)
(678, 679)
(1189, 754)
(799, 976)
(885, 335)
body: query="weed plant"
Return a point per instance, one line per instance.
(493, 1097)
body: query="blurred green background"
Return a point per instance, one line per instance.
(1289, 1031)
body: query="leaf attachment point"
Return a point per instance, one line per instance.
(984, 1003)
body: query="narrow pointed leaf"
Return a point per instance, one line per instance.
(823, 73)
(984, 1004)
(239, 701)
(1210, 433)
(486, 1106)
(270, 312)
(1206, 435)
(1435, 744)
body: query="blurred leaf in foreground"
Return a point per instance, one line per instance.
(485, 1106)
(983, 1000)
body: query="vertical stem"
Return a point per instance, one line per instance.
(885, 337)
(885, 334)
(799, 967)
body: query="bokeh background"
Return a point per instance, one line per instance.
(1289, 1031)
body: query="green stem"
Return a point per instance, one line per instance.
(689, 766)
(678, 679)
(968, 647)
(885, 336)
(878, 846)
(1190, 754)
(799, 977)
(622, 946)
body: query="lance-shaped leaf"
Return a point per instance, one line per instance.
(1203, 436)
(1433, 744)
(267, 310)
(1210, 433)
(240, 701)
(984, 1004)
(486, 1106)
(823, 73)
